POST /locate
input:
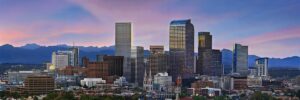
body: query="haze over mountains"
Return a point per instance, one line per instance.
(36, 54)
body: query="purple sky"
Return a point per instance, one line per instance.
(269, 27)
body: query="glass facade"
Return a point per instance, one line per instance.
(240, 59)
(123, 46)
(181, 46)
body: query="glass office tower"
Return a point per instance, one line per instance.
(181, 46)
(240, 59)
(123, 46)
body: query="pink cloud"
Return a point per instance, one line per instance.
(292, 32)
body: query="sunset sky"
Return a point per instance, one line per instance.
(269, 27)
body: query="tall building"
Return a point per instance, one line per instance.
(205, 40)
(63, 58)
(137, 65)
(75, 56)
(262, 65)
(240, 59)
(181, 46)
(39, 85)
(204, 50)
(60, 60)
(209, 60)
(158, 62)
(123, 46)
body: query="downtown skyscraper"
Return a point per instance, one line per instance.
(181, 46)
(240, 59)
(209, 60)
(123, 33)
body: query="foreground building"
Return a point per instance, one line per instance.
(123, 46)
(240, 59)
(181, 46)
(39, 85)
(162, 82)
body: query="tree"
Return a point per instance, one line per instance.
(199, 98)
(35, 98)
(15, 95)
(298, 94)
(67, 96)
(51, 96)
(220, 98)
(261, 96)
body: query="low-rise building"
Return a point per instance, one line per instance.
(39, 84)
(91, 82)
(239, 83)
(163, 81)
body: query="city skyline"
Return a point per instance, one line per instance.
(269, 28)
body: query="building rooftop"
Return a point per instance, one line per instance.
(184, 21)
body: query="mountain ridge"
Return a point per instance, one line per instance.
(37, 54)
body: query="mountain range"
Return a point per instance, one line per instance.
(36, 54)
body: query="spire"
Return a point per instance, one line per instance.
(150, 74)
(145, 75)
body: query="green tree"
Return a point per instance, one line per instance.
(199, 98)
(220, 98)
(16, 95)
(51, 96)
(261, 96)
(67, 96)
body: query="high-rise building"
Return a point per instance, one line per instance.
(205, 40)
(240, 59)
(204, 51)
(181, 46)
(75, 56)
(261, 65)
(60, 60)
(137, 65)
(123, 46)
(63, 58)
(158, 62)
(209, 60)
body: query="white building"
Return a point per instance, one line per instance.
(163, 80)
(60, 60)
(63, 58)
(120, 81)
(211, 92)
(262, 66)
(91, 82)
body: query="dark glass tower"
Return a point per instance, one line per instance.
(209, 60)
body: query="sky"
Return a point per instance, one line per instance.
(271, 28)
